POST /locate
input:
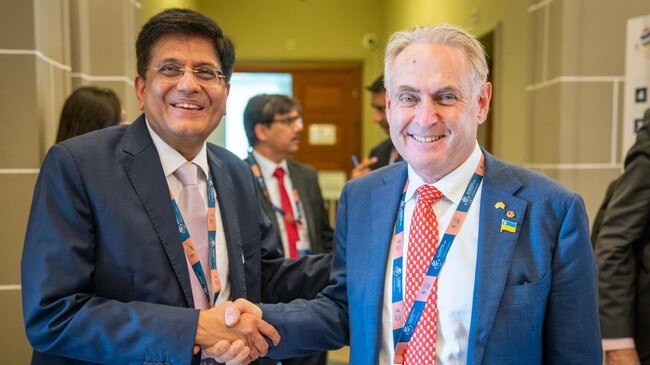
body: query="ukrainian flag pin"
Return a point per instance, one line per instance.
(508, 226)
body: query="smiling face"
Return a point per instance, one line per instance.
(182, 113)
(432, 110)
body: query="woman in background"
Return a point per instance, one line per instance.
(88, 108)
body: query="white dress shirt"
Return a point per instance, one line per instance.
(456, 279)
(171, 160)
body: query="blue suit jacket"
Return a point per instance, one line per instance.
(104, 276)
(535, 295)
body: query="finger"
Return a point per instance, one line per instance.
(241, 358)
(230, 353)
(269, 331)
(232, 314)
(258, 345)
(244, 306)
(368, 162)
(196, 349)
(218, 349)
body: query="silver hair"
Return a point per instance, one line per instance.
(446, 34)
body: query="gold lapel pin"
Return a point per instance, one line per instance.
(510, 214)
(500, 205)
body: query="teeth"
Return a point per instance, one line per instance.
(186, 106)
(426, 139)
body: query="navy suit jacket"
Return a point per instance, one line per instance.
(104, 275)
(535, 294)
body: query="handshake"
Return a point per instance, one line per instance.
(234, 333)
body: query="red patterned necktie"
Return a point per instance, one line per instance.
(192, 207)
(423, 243)
(289, 218)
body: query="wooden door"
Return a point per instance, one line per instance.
(330, 95)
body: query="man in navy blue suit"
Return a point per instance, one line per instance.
(512, 279)
(115, 270)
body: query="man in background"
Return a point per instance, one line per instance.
(622, 247)
(292, 197)
(384, 153)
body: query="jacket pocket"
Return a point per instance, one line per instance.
(527, 293)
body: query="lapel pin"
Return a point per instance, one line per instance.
(510, 214)
(508, 226)
(500, 205)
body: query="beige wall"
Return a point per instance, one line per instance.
(48, 48)
(575, 91)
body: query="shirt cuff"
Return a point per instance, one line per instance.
(610, 344)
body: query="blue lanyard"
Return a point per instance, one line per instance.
(403, 334)
(188, 245)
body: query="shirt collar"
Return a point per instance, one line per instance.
(453, 185)
(171, 159)
(267, 167)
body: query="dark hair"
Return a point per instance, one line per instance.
(377, 85)
(185, 22)
(88, 108)
(262, 108)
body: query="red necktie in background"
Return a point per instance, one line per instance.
(423, 243)
(289, 217)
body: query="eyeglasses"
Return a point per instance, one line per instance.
(289, 121)
(203, 75)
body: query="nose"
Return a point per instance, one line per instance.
(187, 82)
(426, 113)
(298, 126)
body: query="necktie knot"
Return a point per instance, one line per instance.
(429, 194)
(279, 173)
(187, 173)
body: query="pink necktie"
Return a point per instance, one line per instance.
(193, 209)
(289, 218)
(423, 242)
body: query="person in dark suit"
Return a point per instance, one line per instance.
(453, 256)
(623, 253)
(273, 127)
(114, 269)
(384, 153)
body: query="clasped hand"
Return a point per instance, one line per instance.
(234, 333)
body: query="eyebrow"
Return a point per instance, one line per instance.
(443, 90)
(200, 63)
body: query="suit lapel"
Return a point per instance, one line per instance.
(495, 250)
(230, 220)
(385, 198)
(144, 170)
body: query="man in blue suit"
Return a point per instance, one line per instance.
(114, 269)
(518, 278)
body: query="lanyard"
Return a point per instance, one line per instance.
(188, 245)
(257, 172)
(403, 330)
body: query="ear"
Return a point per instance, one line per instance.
(140, 85)
(388, 105)
(484, 98)
(260, 131)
